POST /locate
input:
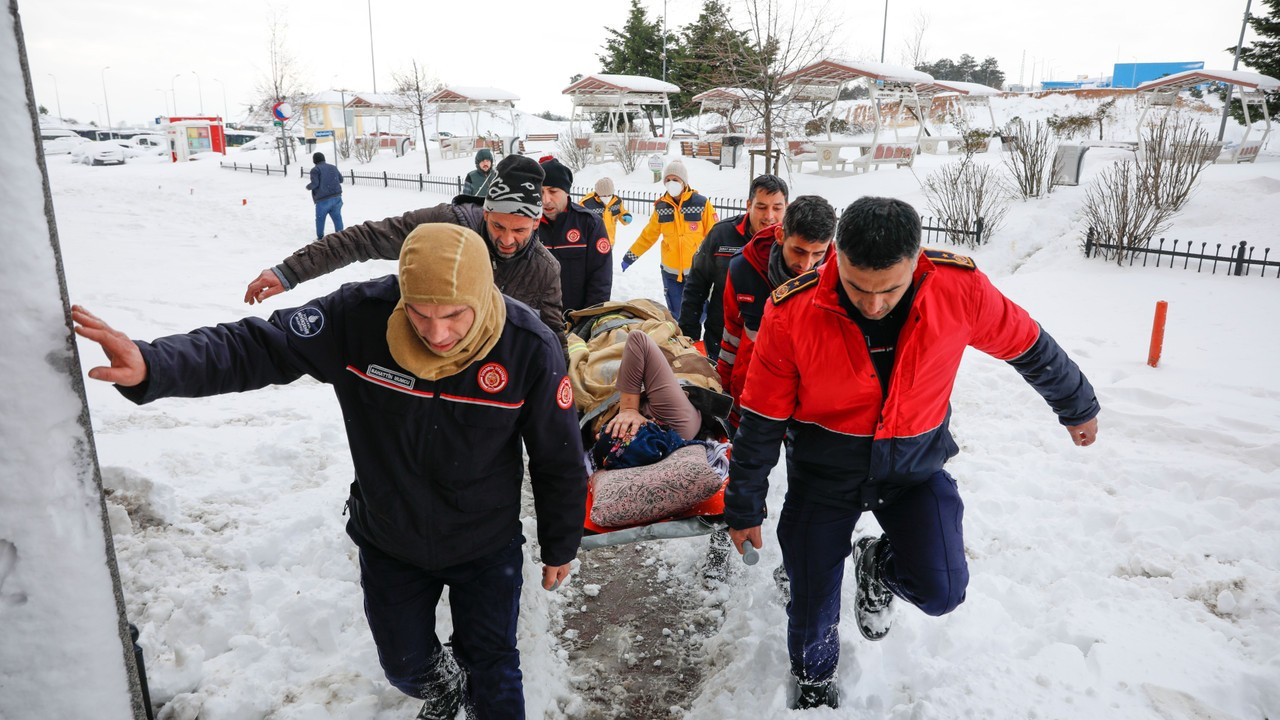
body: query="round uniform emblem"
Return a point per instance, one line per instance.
(564, 395)
(693, 226)
(573, 235)
(602, 246)
(306, 322)
(492, 377)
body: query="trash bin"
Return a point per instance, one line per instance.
(729, 148)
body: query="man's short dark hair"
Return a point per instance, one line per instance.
(877, 233)
(317, 158)
(770, 184)
(811, 217)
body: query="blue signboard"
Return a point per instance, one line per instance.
(324, 133)
(1131, 75)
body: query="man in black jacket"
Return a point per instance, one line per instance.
(441, 380)
(326, 193)
(704, 283)
(577, 238)
(507, 220)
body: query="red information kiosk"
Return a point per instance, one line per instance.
(189, 136)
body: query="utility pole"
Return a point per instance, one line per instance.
(1226, 106)
(56, 96)
(199, 91)
(174, 93)
(884, 30)
(106, 104)
(664, 43)
(372, 66)
(224, 100)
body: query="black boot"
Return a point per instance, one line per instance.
(874, 606)
(813, 695)
(445, 690)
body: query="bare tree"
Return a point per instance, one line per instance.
(282, 83)
(914, 52)
(770, 39)
(965, 192)
(1030, 159)
(416, 86)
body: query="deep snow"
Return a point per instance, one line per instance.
(1137, 578)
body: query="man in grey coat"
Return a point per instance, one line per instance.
(507, 220)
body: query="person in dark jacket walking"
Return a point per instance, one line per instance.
(704, 283)
(507, 220)
(326, 193)
(478, 180)
(441, 381)
(854, 364)
(577, 238)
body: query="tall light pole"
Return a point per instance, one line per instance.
(1226, 106)
(164, 100)
(56, 95)
(174, 93)
(224, 99)
(372, 66)
(199, 91)
(885, 30)
(664, 45)
(105, 103)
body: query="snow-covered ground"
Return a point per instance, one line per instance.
(1138, 578)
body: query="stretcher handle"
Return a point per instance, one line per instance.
(749, 554)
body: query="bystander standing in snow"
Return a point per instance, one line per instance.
(442, 380)
(854, 364)
(477, 181)
(326, 193)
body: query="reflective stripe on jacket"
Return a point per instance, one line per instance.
(682, 224)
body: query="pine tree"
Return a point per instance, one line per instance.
(636, 49)
(693, 65)
(1262, 55)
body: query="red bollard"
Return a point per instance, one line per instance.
(244, 201)
(1157, 334)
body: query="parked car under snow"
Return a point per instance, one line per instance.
(101, 152)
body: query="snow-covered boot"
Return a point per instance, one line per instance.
(445, 690)
(716, 569)
(874, 606)
(783, 581)
(813, 695)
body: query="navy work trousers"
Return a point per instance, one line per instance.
(484, 599)
(923, 563)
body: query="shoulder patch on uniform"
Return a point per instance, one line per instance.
(795, 285)
(946, 257)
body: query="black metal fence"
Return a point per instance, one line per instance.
(637, 202)
(1238, 260)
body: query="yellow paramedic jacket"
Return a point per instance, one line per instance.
(682, 224)
(611, 214)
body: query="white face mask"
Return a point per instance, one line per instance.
(606, 199)
(675, 188)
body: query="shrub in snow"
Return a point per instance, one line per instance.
(365, 149)
(574, 150)
(961, 193)
(1029, 160)
(1134, 200)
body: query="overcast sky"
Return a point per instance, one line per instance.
(527, 48)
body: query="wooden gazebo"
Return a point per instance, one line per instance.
(1163, 92)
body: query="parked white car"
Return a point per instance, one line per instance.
(63, 145)
(102, 152)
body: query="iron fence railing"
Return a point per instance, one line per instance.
(1238, 260)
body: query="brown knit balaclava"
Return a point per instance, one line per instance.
(443, 264)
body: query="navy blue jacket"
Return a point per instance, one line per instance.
(704, 283)
(326, 182)
(578, 240)
(438, 464)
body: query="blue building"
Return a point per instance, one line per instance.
(1131, 75)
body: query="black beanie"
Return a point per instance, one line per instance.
(558, 175)
(517, 190)
(317, 158)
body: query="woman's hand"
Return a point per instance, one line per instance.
(625, 424)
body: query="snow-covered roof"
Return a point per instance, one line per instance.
(1187, 78)
(938, 87)
(603, 83)
(837, 70)
(458, 94)
(329, 97)
(725, 95)
(376, 100)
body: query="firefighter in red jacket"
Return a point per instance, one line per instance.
(775, 255)
(855, 364)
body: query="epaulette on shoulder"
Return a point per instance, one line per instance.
(946, 257)
(795, 285)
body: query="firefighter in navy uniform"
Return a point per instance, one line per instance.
(704, 283)
(855, 364)
(577, 238)
(441, 380)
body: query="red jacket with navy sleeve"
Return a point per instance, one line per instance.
(811, 377)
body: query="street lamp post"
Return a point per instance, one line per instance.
(174, 93)
(884, 32)
(1226, 105)
(56, 95)
(224, 99)
(199, 91)
(105, 103)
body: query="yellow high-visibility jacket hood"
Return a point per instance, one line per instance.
(682, 223)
